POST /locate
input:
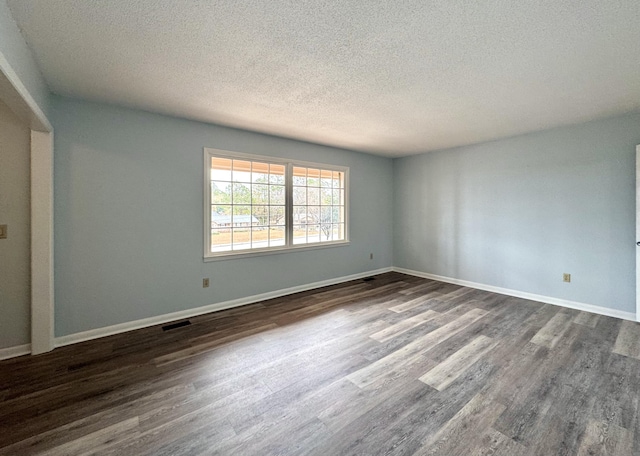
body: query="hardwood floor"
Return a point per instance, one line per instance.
(395, 366)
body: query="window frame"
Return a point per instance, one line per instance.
(289, 246)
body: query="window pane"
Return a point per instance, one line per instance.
(326, 178)
(220, 216)
(299, 214)
(220, 192)
(276, 174)
(313, 195)
(261, 214)
(338, 231)
(338, 179)
(260, 194)
(241, 210)
(220, 240)
(299, 196)
(260, 238)
(313, 214)
(241, 193)
(276, 236)
(221, 209)
(325, 214)
(276, 215)
(220, 169)
(299, 234)
(241, 171)
(337, 214)
(242, 217)
(313, 233)
(313, 177)
(335, 196)
(325, 232)
(276, 194)
(241, 238)
(259, 173)
(299, 176)
(326, 196)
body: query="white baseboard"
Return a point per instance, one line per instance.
(12, 352)
(180, 315)
(521, 294)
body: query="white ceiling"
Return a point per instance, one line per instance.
(392, 78)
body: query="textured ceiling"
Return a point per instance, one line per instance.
(393, 78)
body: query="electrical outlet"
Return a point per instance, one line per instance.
(205, 283)
(3, 231)
(566, 277)
(371, 256)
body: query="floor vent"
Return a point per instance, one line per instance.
(368, 279)
(180, 324)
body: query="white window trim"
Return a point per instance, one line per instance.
(290, 163)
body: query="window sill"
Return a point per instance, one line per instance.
(275, 251)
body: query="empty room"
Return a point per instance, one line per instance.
(319, 227)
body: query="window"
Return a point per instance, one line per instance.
(256, 204)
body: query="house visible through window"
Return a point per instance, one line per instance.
(260, 204)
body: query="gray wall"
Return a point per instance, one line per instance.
(128, 217)
(15, 308)
(519, 212)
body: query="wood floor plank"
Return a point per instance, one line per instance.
(530, 407)
(404, 326)
(628, 341)
(271, 437)
(394, 383)
(603, 439)
(586, 319)
(339, 291)
(68, 432)
(223, 399)
(166, 437)
(459, 434)
(421, 287)
(617, 400)
(408, 370)
(542, 316)
(445, 373)
(413, 303)
(327, 304)
(494, 443)
(401, 424)
(208, 346)
(96, 441)
(548, 432)
(377, 369)
(516, 378)
(197, 442)
(378, 424)
(552, 332)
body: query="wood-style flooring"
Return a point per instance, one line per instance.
(394, 366)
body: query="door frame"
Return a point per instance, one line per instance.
(42, 291)
(637, 233)
(15, 95)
